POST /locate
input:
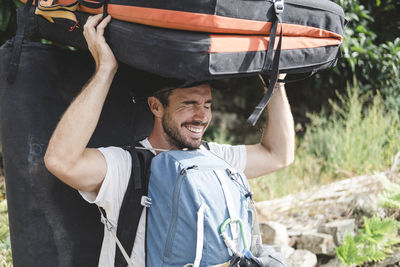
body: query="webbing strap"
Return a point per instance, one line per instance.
(131, 208)
(17, 45)
(127, 258)
(299, 79)
(253, 118)
(91, 4)
(221, 174)
(105, 9)
(200, 236)
(270, 50)
(111, 229)
(256, 240)
(136, 170)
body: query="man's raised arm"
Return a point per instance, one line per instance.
(67, 156)
(276, 148)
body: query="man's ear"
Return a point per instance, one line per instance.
(155, 106)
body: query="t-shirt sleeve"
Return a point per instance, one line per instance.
(234, 155)
(114, 185)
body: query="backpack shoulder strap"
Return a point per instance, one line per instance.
(131, 208)
(205, 144)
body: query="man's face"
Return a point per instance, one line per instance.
(187, 116)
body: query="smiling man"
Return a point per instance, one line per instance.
(181, 116)
(182, 119)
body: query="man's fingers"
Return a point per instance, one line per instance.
(89, 25)
(282, 76)
(90, 29)
(102, 25)
(94, 35)
(94, 20)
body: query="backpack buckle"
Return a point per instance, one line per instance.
(279, 6)
(145, 201)
(105, 221)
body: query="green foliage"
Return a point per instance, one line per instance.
(358, 137)
(378, 236)
(354, 139)
(347, 252)
(219, 135)
(391, 196)
(373, 243)
(371, 55)
(8, 18)
(5, 14)
(5, 246)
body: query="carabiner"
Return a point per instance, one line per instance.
(227, 240)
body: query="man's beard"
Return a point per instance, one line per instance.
(174, 136)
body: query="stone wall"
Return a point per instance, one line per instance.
(306, 227)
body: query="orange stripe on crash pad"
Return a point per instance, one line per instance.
(191, 21)
(235, 43)
(182, 20)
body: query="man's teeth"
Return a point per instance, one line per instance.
(195, 130)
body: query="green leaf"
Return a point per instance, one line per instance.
(347, 252)
(18, 3)
(374, 243)
(5, 14)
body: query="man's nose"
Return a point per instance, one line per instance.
(202, 114)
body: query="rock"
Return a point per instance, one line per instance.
(337, 229)
(335, 262)
(317, 243)
(365, 205)
(274, 233)
(293, 241)
(302, 258)
(285, 250)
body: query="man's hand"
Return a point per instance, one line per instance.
(98, 47)
(276, 147)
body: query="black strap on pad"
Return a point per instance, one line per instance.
(17, 45)
(253, 118)
(105, 9)
(92, 4)
(299, 79)
(131, 208)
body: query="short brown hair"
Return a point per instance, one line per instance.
(163, 95)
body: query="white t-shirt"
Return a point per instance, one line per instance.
(113, 189)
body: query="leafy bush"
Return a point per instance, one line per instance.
(8, 19)
(374, 243)
(371, 53)
(391, 196)
(378, 236)
(354, 140)
(358, 137)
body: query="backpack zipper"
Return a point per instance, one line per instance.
(175, 200)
